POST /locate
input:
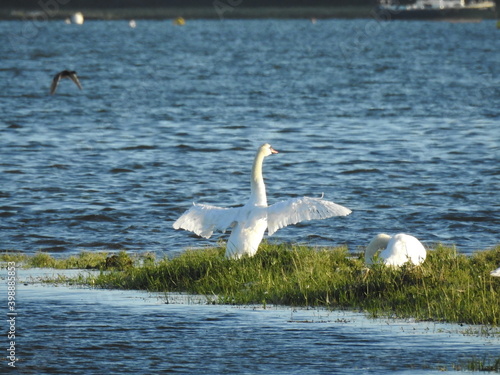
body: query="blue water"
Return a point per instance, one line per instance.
(398, 121)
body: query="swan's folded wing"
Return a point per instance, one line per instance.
(295, 210)
(204, 220)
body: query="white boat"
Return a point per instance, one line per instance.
(435, 9)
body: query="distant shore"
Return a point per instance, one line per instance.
(209, 12)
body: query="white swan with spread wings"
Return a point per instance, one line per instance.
(250, 221)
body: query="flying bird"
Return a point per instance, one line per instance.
(71, 74)
(249, 222)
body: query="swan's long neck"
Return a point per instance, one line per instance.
(377, 243)
(258, 189)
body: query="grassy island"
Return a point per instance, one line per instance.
(449, 286)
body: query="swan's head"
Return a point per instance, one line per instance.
(267, 150)
(379, 242)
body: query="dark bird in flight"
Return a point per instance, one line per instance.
(64, 74)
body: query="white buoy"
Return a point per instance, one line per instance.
(132, 24)
(77, 18)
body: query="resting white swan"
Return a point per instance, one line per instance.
(250, 221)
(495, 272)
(396, 250)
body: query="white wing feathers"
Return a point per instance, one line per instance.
(204, 220)
(293, 211)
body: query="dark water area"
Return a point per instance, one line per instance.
(398, 121)
(67, 330)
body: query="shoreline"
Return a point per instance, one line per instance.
(158, 13)
(302, 276)
(208, 12)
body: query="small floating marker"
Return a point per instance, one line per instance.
(132, 24)
(179, 21)
(77, 18)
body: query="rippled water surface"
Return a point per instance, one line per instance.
(62, 330)
(398, 121)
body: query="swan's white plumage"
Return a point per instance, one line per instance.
(396, 250)
(203, 219)
(293, 211)
(496, 272)
(250, 221)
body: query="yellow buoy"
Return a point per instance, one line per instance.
(179, 21)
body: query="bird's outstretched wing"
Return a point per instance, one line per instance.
(204, 220)
(295, 210)
(75, 79)
(54, 84)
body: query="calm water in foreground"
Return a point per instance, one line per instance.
(62, 330)
(398, 121)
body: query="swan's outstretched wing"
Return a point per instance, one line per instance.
(295, 210)
(204, 220)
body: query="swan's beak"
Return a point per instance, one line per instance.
(273, 151)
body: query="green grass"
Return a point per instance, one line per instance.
(84, 260)
(486, 364)
(449, 286)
